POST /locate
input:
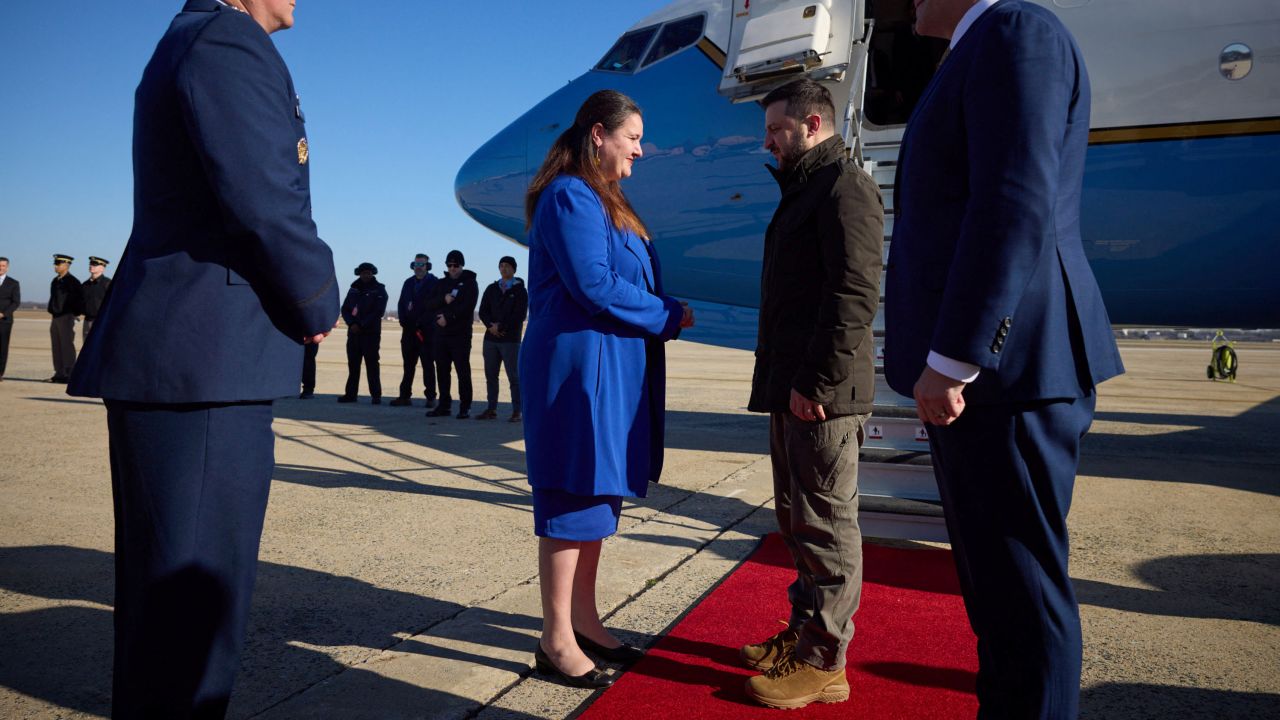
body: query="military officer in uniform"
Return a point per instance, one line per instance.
(66, 303)
(223, 281)
(10, 299)
(95, 291)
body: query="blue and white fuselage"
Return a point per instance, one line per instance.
(1181, 207)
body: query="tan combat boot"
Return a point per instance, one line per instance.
(762, 656)
(792, 684)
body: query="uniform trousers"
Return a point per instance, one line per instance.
(309, 352)
(85, 329)
(6, 329)
(455, 351)
(361, 346)
(815, 491)
(190, 485)
(497, 354)
(1006, 474)
(414, 352)
(62, 335)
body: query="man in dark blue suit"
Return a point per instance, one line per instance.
(995, 325)
(222, 282)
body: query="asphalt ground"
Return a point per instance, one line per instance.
(398, 567)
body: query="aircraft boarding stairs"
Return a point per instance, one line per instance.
(898, 493)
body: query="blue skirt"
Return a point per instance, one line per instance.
(583, 518)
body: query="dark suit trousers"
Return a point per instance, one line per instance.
(414, 351)
(85, 328)
(454, 351)
(190, 487)
(363, 347)
(62, 335)
(6, 329)
(1006, 475)
(309, 352)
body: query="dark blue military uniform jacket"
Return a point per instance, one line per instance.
(224, 273)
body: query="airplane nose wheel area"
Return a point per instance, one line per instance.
(1223, 362)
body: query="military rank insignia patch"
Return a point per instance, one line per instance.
(302, 151)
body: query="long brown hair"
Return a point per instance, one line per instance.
(571, 155)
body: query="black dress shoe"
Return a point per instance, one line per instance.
(306, 395)
(439, 411)
(347, 399)
(593, 679)
(463, 414)
(624, 653)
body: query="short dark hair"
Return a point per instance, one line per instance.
(4, 259)
(804, 97)
(424, 256)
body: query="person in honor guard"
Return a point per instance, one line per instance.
(416, 336)
(362, 311)
(594, 368)
(815, 376)
(994, 323)
(223, 281)
(452, 307)
(66, 303)
(502, 311)
(95, 291)
(10, 300)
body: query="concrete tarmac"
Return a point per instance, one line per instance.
(398, 567)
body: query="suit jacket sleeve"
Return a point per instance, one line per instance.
(238, 107)
(574, 229)
(1023, 84)
(15, 298)
(851, 235)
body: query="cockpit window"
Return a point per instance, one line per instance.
(675, 37)
(625, 54)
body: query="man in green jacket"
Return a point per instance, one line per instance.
(814, 375)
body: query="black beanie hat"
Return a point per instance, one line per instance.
(455, 256)
(367, 266)
(508, 260)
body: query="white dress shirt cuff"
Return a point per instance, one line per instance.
(954, 369)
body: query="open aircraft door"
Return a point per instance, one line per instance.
(773, 42)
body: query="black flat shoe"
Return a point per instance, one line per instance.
(593, 679)
(624, 653)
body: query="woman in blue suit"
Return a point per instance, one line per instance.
(592, 367)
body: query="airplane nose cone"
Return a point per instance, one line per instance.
(491, 184)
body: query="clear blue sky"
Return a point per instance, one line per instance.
(398, 93)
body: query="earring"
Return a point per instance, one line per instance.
(595, 154)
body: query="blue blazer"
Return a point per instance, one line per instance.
(986, 263)
(224, 273)
(592, 373)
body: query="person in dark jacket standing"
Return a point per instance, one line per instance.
(223, 281)
(363, 309)
(10, 299)
(415, 338)
(66, 303)
(452, 307)
(95, 291)
(502, 311)
(814, 375)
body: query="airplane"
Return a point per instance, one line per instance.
(1181, 205)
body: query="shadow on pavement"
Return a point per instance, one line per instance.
(1140, 700)
(62, 655)
(1223, 587)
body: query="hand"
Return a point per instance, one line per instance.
(441, 321)
(806, 409)
(315, 339)
(448, 299)
(939, 399)
(687, 320)
(353, 329)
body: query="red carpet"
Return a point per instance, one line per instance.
(913, 655)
